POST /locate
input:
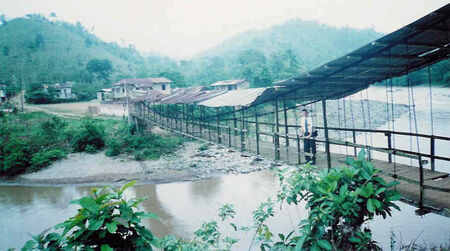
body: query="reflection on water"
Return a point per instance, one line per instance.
(182, 207)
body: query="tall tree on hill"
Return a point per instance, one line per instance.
(100, 68)
(176, 77)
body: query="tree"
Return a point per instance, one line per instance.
(100, 68)
(176, 77)
(263, 79)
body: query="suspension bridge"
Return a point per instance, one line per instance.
(265, 121)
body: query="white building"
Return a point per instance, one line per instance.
(140, 85)
(2, 93)
(63, 91)
(228, 85)
(104, 95)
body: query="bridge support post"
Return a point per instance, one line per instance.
(389, 143)
(286, 129)
(257, 133)
(432, 145)
(242, 130)
(229, 136)
(234, 121)
(200, 124)
(277, 132)
(325, 128)
(219, 138)
(299, 156)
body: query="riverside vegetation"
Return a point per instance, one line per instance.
(339, 201)
(31, 141)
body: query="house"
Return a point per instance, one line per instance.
(134, 86)
(62, 91)
(2, 93)
(228, 85)
(162, 85)
(104, 95)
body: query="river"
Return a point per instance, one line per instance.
(182, 207)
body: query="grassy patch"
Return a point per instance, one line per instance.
(30, 141)
(141, 145)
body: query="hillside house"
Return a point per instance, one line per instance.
(105, 95)
(2, 93)
(228, 85)
(62, 91)
(137, 86)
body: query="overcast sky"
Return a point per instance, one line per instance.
(183, 28)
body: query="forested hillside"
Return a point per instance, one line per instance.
(36, 50)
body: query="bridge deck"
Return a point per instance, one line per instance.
(437, 184)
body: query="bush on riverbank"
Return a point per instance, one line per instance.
(30, 141)
(141, 145)
(89, 136)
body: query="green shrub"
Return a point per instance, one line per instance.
(90, 149)
(142, 145)
(114, 148)
(138, 155)
(45, 157)
(339, 201)
(106, 221)
(90, 133)
(53, 130)
(16, 155)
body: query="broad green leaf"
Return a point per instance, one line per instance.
(355, 239)
(149, 215)
(361, 154)
(325, 244)
(95, 224)
(380, 190)
(372, 205)
(112, 227)
(29, 245)
(395, 196)
(106, 247)
(127, 186)
(89, 204)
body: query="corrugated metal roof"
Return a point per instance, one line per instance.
(417, 45)
(190, 95)
(142, 82)
(150, 96)
(229, 82)
(245, 97)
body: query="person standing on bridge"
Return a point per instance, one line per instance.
(308, 134)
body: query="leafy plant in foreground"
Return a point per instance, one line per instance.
(340, 201)
(105, 221)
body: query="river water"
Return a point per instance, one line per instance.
(421, 94)
(182, 207)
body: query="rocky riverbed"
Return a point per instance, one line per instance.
(186, 164)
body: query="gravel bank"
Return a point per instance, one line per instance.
(186, 164)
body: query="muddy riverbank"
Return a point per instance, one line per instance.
(186, 164)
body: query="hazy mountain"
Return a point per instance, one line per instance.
(313, 43)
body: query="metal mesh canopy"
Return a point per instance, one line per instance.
(189, 95)
(417, 45)
(150, 96)
(244, 97)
